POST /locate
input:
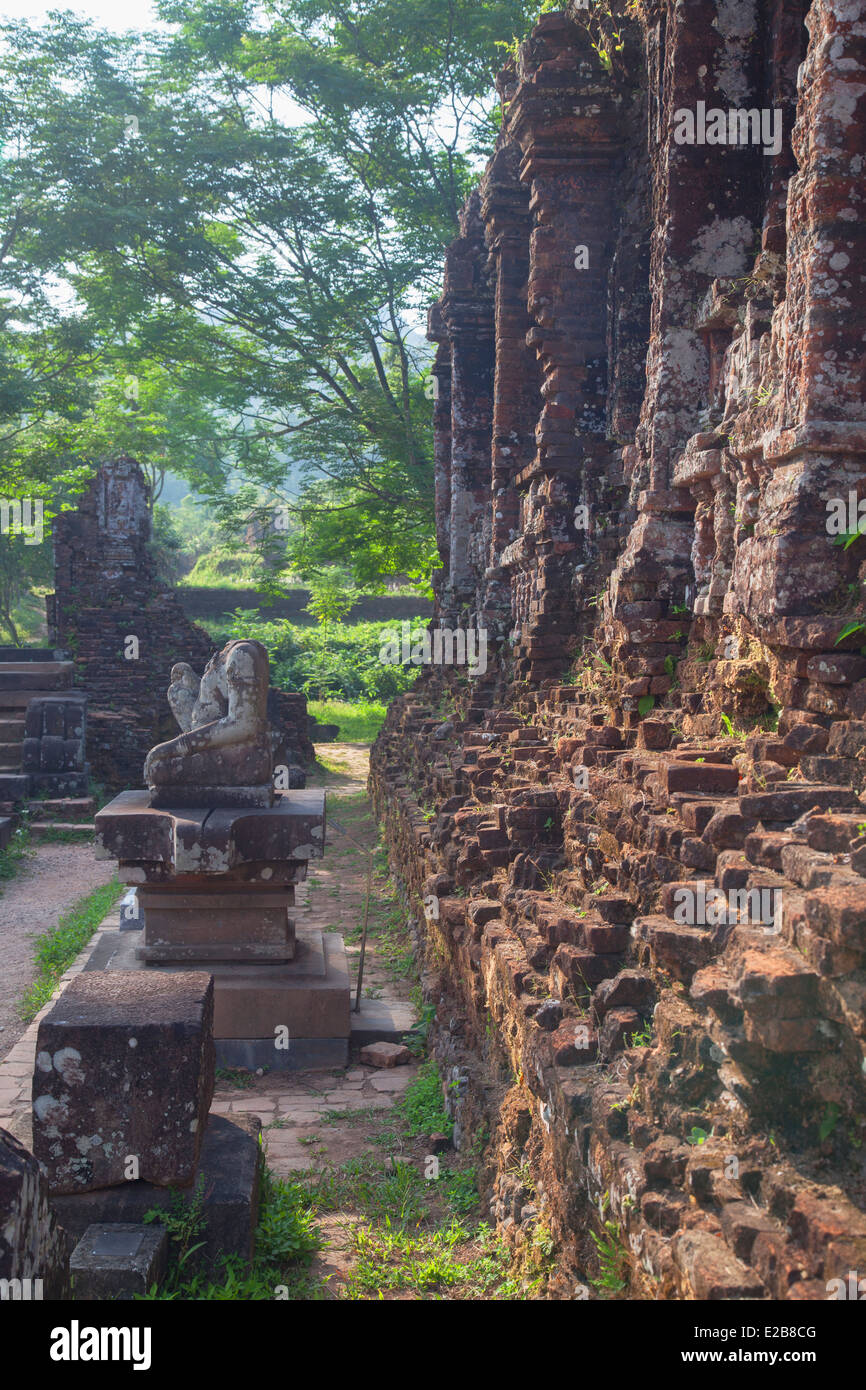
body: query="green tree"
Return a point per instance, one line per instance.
(249, 214)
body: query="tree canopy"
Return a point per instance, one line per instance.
(216, 246)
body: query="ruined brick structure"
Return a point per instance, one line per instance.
(107, 593)
(650, 374)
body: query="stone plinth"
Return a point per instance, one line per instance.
(264, 844)
(215, 888)
(216, 885)
(124, 1080)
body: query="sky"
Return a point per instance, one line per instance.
(110, 14)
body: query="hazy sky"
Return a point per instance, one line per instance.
(110, 14)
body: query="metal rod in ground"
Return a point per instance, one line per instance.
(357, 1008)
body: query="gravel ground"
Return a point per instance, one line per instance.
(44, 888)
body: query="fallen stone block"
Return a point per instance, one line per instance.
(228, 1176)
(124, 1079)
(118, 1261)
(385, 1054)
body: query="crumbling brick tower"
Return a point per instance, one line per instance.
(105, 593)
(125, 629)
(649, 420)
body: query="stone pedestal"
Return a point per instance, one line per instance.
(215, 888)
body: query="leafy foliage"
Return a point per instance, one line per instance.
(330, 660)
(217, 243)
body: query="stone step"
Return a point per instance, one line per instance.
(7, 830)
(79, 830)
(12, 730)
(64, 807)
(36, 675)
(13, 700)
(13, 786)
(21, 655)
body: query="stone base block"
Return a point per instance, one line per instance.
(118, 1261)
(257, 1008)
(302, 1054)
(228, 1174)
(123, 1079)
(240, 922)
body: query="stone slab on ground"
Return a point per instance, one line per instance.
(382, 1020)
(385, 1054)
(309, 996)
(228, 1174)
(124, 1067)
(118, 1261)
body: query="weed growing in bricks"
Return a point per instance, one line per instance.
(612, 1255)
(422, 1107)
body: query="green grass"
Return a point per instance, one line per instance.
(234, 1076)
(422, 1107)
(222, 569)
(28, 616)
(359, 721)
(286, 1238)
(18, 849)
(428, 1262)
(56, 949)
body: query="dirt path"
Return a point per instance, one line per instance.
(45, 886)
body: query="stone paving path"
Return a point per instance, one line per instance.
(293, 1106)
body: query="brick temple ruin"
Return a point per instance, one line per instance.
(124, 628)
(649, 421)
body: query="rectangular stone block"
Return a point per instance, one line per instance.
(117, 1261)
(124, 1079)
(228, 1173)
(241, 922)
(701, 777)
(309, 997)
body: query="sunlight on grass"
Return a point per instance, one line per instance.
(359, 721)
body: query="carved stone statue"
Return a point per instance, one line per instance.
(224, 755)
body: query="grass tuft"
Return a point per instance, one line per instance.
(56, 949)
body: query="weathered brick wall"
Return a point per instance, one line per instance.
(107, 593)
(672, 706)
